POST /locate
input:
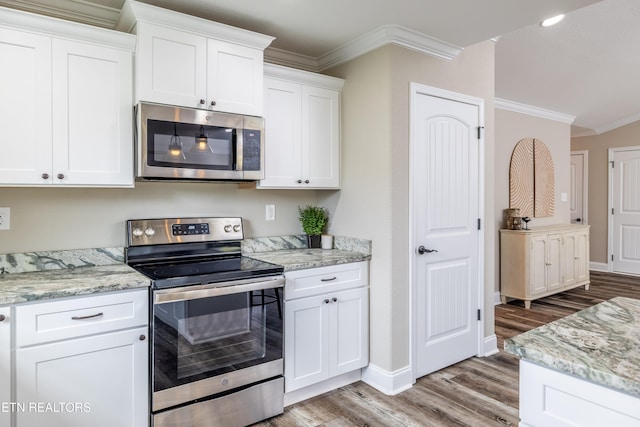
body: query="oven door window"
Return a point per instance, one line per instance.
(202, 338)
(194, 146)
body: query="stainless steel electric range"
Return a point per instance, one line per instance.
(216, 323)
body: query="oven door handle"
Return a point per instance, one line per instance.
(187, 293)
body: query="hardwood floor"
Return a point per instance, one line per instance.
(476, 392)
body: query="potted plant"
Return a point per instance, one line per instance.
(314, 220)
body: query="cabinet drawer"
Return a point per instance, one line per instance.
(76, 317)
(316, 281)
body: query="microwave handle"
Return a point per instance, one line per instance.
(238, 143)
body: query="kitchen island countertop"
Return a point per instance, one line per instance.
(600, 344)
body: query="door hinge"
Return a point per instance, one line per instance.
(612, 210)
(611, 257)
(480, 128)
(478, 223)
(479, 317)
(613, 164)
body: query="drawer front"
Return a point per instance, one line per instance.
(76, 317)
(316, 281)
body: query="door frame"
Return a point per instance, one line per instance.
(610, 230)
(585, 183)
(421, 89)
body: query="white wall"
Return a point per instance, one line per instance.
(74, 218)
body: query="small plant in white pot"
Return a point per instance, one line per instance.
(314, 220)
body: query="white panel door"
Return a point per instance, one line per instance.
(626, 211)
(577, 169)
(93, 125)
(445, 220)
(25, 108)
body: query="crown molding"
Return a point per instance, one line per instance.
(72, 10)
(387, 34)
(530, 110)
(617, 124)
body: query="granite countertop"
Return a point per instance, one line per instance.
(600, 344)
(55, 274)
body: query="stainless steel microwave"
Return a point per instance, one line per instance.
(176, 143)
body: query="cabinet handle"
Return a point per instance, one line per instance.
(45, 176)
(334, 299)
(329, 280)
(3, 317)
(548, 263)
(326, 301)
(60, 176)
(91, 316)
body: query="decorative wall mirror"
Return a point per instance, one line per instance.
(531, 179)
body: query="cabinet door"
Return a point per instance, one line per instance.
(234, 78)
(171, 66)
(99, 381)
(92, 115)
(5, 363)
(570, 253)
(282, 134)
(320, 137)
(555, 261)
(538, 264)
(348, 331)
(581, 256)
(25, 110)
(306, 341)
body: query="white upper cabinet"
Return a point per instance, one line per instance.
(302, 129)
(191, 62)
(66, 110)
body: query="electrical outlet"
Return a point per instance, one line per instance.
(270, 212)
(5, 218)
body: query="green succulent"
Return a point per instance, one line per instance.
(313, 219)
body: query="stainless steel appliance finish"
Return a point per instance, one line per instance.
(216, 323)
(231, 148)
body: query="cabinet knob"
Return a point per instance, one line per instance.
(334, 299)
(326, 301)
(299, 181)
(60, 176)
(202, 102)
(213, 103)
(45, 176)
(306, 181)
(3, 317)
(143, 337)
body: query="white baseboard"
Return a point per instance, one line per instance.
(389, 383)
(496, 298)
(598, 266)
(490, 346)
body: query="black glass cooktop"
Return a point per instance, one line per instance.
(209, 270)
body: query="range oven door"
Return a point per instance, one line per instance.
(211, 339)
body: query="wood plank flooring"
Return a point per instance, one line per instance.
(477, 392)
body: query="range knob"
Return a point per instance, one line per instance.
(236, 228)
(149, 231)
(227, 228)
(137, 232)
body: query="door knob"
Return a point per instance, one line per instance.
(422, 250)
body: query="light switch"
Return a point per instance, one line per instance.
(563, 197)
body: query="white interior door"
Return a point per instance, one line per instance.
(446, 213)
(625, 210)
(577, 205)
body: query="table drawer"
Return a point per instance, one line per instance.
(320, 280)
(81, 316)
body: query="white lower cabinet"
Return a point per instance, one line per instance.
(326, 333)
(83, 362)
(5, 365)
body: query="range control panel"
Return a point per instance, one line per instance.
(182, 230)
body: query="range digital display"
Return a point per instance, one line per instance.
(189, 229)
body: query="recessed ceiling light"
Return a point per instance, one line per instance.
(552, 21)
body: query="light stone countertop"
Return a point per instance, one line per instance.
(56, 274)
(600, 344)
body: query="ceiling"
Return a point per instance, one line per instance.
(583, 70)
